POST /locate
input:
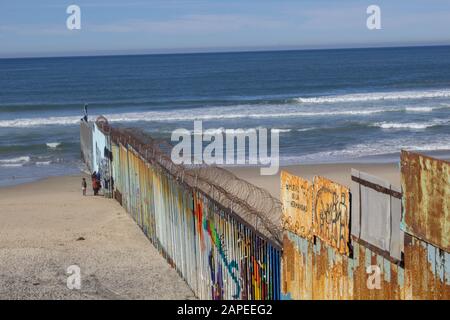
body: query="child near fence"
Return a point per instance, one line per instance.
(83, 186)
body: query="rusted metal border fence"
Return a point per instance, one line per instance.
(86, 144)
(222, 234)
(224, 244)
(413, 261)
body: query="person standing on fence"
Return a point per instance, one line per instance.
(84, 186)
(85, 117)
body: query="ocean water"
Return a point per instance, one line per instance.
(330, 105)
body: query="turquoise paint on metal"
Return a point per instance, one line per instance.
(355, 254)
(330, 252)
(350, 266)
(401, 277)
(440, 264)
(431, 255)
(317, 246)
(368, 257)
(447, 267)
(387, 270)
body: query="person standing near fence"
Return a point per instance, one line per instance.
(94, 183)
(83, 186)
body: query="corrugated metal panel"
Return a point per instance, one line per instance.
(332, 213)
(425, 270)
(296, 197)
(426, 201)
(217, 255)
(317, 271)
(313, 269)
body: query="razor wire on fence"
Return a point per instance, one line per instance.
(221, 233)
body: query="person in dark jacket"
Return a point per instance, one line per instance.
(83, 186)
(95, 184)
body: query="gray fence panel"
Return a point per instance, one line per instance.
(376, 217)
(356, 206)
(397, 235)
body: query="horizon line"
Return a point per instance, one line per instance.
(217, 50)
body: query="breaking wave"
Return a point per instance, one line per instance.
(14, 162)
(18, 160)
(411, 125)
(53, 145)
(376, 96)
(180, 116)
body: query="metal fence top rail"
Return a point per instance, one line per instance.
(248, 203)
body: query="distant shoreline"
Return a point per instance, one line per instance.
(230, 50)
(252, 172)
(339, 172)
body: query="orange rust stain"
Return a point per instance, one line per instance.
(426, 190)
(296, 197)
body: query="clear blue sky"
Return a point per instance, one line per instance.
(38, 27)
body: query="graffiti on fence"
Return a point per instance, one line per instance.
(332, 213)
(217, 252)
(231, 266)
(296, 197)
(315, 270)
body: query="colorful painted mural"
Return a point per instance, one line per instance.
(216, 252)
(332, 213)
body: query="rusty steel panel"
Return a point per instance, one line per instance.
(332, 213)
(296, 197)
(330, 275)
(425, 271)
(366, 265)
(318, 271)
(297, 267)
(426, 200)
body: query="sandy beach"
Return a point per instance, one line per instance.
(47, 226)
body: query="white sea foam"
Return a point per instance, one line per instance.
(11, 165)
(381, 147)
(306, 129)
(43, 163)
(53, 145)
(18, 160)
(411, 125)
(281, 130)
(419, 109)
(376, 96)
(288, 110)
(183, 116)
